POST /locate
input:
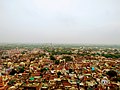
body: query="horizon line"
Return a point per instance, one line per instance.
(60, 43)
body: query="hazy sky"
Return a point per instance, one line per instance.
(60, 21)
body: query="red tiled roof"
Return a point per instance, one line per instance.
(66, 84)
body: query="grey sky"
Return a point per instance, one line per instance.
(60, 21)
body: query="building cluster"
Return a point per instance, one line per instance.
(40, 69)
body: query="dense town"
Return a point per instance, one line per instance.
(60, 68)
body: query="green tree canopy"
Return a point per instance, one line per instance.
(112, 73)
(67, 58)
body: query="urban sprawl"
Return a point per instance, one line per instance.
(60, 68)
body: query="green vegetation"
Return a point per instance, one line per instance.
(70, 70)
(43, 69)
(57, 62)
(111, 73)
(52, 57)
(67, 58)
(59, 73)
(111, 55)
(20, 69)
(11, 82)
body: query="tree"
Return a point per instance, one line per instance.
(42, 55)
(11, 82)
(57, 62)
(70, 70)
(52, 57)
(21, 69)
(67, 58)
(43, 69)
(58, 73)
(111, 73)
(13, 72)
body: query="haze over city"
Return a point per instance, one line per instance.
(60, 21)
(59, 45)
